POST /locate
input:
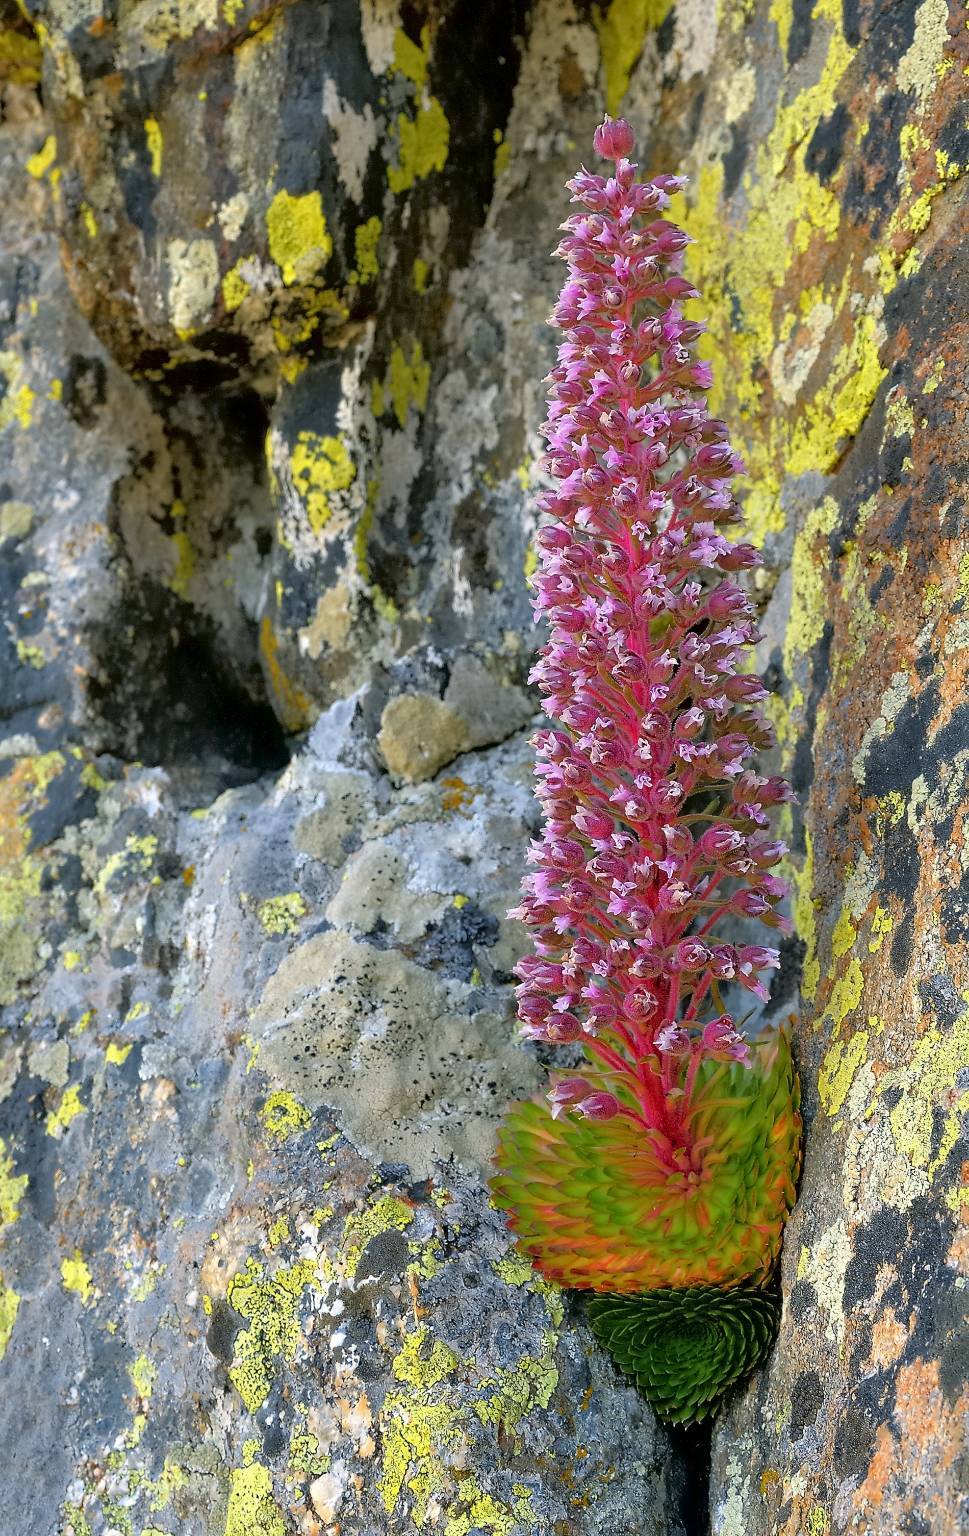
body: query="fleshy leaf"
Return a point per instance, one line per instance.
(685, 1348)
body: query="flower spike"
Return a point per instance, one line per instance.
(669, 1164)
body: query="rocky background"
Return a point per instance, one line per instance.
(273, 285)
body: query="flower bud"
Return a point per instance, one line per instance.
(613, 139)
(598, 1106)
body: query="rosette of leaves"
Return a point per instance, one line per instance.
(685, 1349)
(610, 1206)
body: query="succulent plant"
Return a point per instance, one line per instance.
(597, 1206)
(668, 1161)
(685, 1349)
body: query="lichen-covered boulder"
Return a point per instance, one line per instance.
(273, 285)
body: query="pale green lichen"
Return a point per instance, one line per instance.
(9, 1306)
(281, 914)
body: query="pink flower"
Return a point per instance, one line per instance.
(566, 1093)
(720, 1039)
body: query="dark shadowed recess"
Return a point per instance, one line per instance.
(169, 689)
(691, 1449)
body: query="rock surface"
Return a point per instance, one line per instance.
(273, 284)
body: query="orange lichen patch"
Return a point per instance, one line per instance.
(888, 1338)
(294, 706)
(907, 1469)
(958, 1255)
(456, 794)
(21, 791)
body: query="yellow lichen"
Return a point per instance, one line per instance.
(365, 240)
(846, 993)
(299, 243)
(30, 655)
(116, 1055)
(838, 1069)
(68, 1109)
(9, 1306)
(622, 27)
(418, 1369)
(415, 1433)
(419, 273)
(252, 1510)
(389, 1213)
(805, 920)
(235, 288)
(881, 927)
(516, 1391)
(76, 1277)
(809, 606)
(929, 1087)
(269, 1304)
(410, 58)
(281, 914)
(844, 934)
(283, 1115)
(143, 1373)
(423, 142)
(154, 141)
(295, 707)
(321, 465)
(17, 399)
(136, 857)
(20, 57)
(39, 164)
(409, 381)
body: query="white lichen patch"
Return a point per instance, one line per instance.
(396, 1050)
(354, 138)
(193, 267)
(376, 889)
